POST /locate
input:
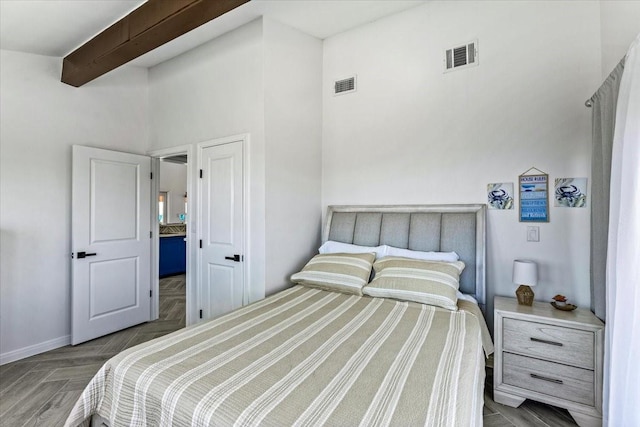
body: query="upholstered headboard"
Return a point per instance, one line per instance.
(459, 228)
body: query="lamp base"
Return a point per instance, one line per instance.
(525, 295)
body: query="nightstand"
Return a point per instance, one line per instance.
(548, 355)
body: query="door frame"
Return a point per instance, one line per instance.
(191, 278)
(246, 209)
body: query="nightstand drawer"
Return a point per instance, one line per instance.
(552, 379)
(555, 343)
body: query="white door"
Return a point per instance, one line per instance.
(111, 242)
(221, 230)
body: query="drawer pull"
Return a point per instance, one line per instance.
(559, 344)
(551, 380)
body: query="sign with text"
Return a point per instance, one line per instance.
(534, 198)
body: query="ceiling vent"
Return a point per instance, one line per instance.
(462, 56)
(344, 86)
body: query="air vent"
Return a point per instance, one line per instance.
(344, 86)
(462, 56)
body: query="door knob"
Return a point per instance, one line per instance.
(235, 258)
(84, 255)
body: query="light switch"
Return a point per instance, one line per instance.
(533, 233)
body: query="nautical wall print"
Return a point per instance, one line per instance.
(571, 192)
(500, 195)
(534, 196)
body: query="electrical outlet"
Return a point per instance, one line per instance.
(533, 233)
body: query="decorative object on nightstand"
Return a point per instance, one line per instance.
(525, 274)
(550, 356)
(560, 302)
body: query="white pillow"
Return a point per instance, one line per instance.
(333, 247)
(426, 256)
(466, 297)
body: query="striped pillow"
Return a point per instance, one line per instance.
(427, 282)
(340, 272)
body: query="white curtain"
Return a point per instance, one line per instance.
(621, 396)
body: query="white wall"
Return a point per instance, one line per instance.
(213, 91)
(620, 24)
(412, 134)
(263, 79)
(293, 129)
(40, 119)
(173, 180)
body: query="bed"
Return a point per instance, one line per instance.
(312, 356)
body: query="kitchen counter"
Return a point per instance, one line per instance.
(173, 235)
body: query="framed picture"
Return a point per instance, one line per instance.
(500, 195)
(534, 197)
(570, 193)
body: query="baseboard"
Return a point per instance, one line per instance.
(32, 350)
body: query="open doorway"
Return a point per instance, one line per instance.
(173, 226)
(172, 199)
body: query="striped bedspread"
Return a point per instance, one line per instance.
(302, 357)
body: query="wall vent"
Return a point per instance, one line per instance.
(462, 56)
(344, 86)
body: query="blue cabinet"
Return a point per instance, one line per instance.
(173, 256)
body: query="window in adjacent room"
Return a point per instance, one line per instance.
(162, 207)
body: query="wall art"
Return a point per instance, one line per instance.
(500, 195)
(570, 192)
(534, 196)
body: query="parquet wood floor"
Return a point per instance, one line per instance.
(41, 390)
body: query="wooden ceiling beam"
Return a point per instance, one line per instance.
(153, 24)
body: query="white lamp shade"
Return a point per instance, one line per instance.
(525, 272)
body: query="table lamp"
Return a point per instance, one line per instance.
(525, 274)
